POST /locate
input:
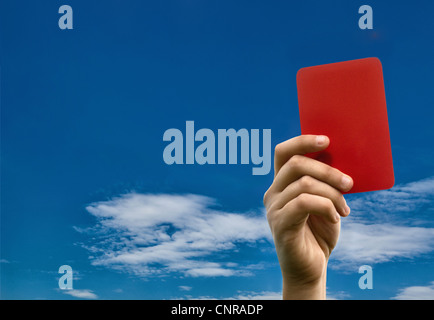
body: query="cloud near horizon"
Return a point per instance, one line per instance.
(81, 293)
(416, 293)
(386, 226)
(157, 234)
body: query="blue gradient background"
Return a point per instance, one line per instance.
(83, 112)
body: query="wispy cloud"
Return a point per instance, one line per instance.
(398, 205)
(240, 295)
(377, 243)
(260, 295)
(185, 288)
(386, 225)
(81, 293)
(158, 234)
(416, 293)
(339, 295)
(154, 234)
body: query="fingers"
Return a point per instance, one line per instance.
(299, 166)
(298, 210)
(310, 185)
(304, 186)
(298, 146)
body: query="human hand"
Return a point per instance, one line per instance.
(304, 204)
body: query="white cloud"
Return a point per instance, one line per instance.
(340, 295)
(392, 205)
(185, 288)
(277, 295)
(240, 295)
(416, 293)
(81, 293)
(385, 226)
(154, 234)
(157, 234)
(262, 295)
(377, 243)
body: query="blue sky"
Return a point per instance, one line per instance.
(83, 113)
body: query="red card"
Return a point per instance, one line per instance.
(346, 102)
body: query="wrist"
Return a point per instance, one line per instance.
(313, 290)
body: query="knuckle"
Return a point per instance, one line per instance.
(295, 161)
(306, 182)
(272, 218)
(279, 150)
(328, 205)
(269, 215)
(302, 201)
(266, 197)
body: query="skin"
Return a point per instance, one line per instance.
(304, 206)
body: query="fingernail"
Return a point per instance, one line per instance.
(337, 216)
(321, 140)
(346, 182)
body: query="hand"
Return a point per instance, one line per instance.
(304, 205)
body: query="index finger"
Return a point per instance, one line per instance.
(299, 145)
